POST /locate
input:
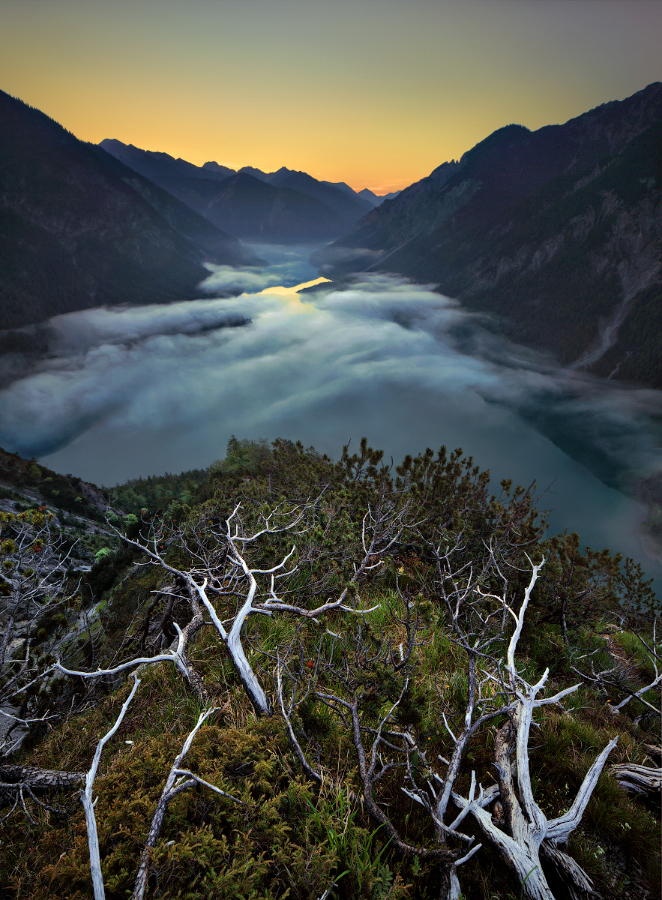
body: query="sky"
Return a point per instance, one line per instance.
(376, 93)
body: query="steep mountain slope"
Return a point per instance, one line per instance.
(259, 210)
(217, 171)
(193, 185)
(347, 205)
(557, 232)
(291, 205)
(79, 229)
(155, 165)
(24, 481)
(373, 199)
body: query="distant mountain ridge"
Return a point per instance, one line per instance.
(276, 206)
(557, 232)
(80, 229)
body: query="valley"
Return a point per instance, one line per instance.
(506, 304)
(330, 432)
(130, 392)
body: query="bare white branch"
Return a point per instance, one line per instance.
(559, 829)
(178, 779)
(301, 756)
(88, 801)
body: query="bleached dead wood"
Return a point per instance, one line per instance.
(89, 802)
(646, 780)
(18, 784)
(528, 826)
(286, 712)
(653, 651)
(35, 581)
(496, 688)
(372, 768)
(220, 571)
(577, 883)
(175, 655)
(11, 776)
(177, 780)
(617, 679)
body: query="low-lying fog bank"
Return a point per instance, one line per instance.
(134, 391)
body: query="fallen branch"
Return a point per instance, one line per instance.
(646, 780)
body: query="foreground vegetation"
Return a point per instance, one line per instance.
(328, 679)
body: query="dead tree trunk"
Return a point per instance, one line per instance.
(527, 825)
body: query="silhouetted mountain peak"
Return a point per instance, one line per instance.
(256, 173)
(501, 141)
(247, 177)
(153, 164)
(283, 205)
(115, 146)
(501, 136)
(342, 186)
(217, 169)
(371, 197)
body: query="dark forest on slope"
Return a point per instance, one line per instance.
(399, 629)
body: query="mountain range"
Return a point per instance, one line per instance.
(555, 233)
(280, 206)
(80, 229)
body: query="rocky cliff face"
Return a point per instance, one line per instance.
(556, 233)
(79, 229)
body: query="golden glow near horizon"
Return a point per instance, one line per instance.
(376, 93)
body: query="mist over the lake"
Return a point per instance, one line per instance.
(142, 390)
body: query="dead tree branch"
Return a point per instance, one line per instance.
(644, 780)
(89, 802)
(528, 826)
(221, 571)
(178, 780)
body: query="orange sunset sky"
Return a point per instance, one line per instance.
(373, 92)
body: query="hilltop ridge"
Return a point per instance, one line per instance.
(314, 650)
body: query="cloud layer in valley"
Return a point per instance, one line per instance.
(283, 264)
(161, 388)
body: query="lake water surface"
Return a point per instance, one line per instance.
(142, 390)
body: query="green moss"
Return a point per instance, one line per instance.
(289, 837)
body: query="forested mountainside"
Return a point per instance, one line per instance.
(79, 229)
(269, 206)
(292, 676)
(556, 232)
(25, 481)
